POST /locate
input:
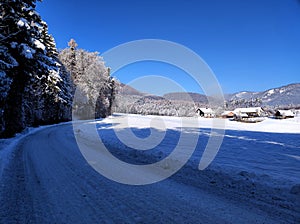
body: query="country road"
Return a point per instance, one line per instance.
(48, 181)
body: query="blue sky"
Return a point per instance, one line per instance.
(250, 45)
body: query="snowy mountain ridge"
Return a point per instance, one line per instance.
(281, 96)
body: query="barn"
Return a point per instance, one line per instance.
(205, 112)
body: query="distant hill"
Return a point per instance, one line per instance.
(281, 96)
(186, 96)
(130, 100)
(128, 90)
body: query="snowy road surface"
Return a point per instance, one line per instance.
(48, 181)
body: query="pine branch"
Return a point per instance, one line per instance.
(13, 34)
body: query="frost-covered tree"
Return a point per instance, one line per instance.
(34, 89)
(91, 78)
(154, 105)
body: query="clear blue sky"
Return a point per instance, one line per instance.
(249, 44)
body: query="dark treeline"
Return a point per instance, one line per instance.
(37, 83)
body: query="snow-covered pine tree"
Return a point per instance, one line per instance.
(72, 58)
(32, 89)
(94, 86)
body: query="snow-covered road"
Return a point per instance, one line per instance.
(48, 181)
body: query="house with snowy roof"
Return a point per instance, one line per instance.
(248, 112)
(297, 113)
(227, 114)
(283, 114)
(205, 112)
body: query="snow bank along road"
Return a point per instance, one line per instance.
(48, 181)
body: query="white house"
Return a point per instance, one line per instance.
(248, 112)
(297, 113)
(206, 112)
(284, 114)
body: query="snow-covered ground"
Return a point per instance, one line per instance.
(8, 145)
(269, 150)
(254, 178)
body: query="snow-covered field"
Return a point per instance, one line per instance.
(269, 151)
(254, 177)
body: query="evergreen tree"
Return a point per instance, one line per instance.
(32, 90)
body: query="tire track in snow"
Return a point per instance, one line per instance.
(48, 181)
